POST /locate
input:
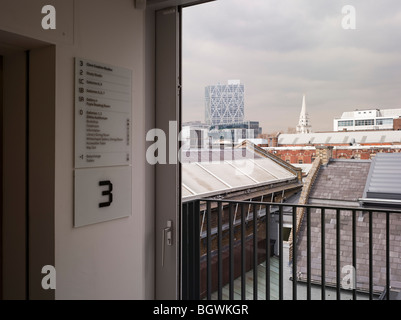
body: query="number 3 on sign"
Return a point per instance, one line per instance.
(106, 193)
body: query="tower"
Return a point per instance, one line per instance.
(304, 124)
(224, 103)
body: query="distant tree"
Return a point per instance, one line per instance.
(263, 136)
(291, 130)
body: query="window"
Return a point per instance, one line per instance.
(380, 122)
(346, 123)
(286, 233)
(300, 161)
(368, 122)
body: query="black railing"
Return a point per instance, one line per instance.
(222, 255)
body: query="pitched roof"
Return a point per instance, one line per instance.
(341, 180)
(342, 183)
(205, 178)
(362, 248)
(223, 170)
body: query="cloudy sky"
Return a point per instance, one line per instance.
(281, 49)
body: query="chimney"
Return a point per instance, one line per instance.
(273, 140)
(397, 124)
(325, 153)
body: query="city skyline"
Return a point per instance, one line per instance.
(281, 50)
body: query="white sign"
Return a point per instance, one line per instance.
(103, 115)
(102, 194)
(103, 125)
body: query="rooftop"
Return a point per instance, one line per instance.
(341, 137)
(341, 180)
(209, 172)
(206, 178)
(343, 183)
(377, 113)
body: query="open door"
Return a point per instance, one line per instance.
(166, 17)
(14, 177)
(167, 184)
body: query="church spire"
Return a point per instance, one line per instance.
(303, 124)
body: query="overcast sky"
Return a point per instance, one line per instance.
(281, 49)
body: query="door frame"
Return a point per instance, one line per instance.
(1, 177)
(167, 187)
(163, 100)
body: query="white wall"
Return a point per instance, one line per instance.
(111, 259)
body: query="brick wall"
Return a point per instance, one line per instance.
(307, 156)
(397, 124)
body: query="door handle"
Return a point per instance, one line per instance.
(167, 236)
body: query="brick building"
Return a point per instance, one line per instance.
(363, 145)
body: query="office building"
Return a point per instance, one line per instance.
(370, 119)
(224, 103)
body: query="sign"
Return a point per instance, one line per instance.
(103, 104)
(102, 194)
(103, 117)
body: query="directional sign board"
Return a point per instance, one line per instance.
(103, 126)
(103, 104)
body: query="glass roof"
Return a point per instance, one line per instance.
(207, 177)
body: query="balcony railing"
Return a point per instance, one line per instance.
(228, 250)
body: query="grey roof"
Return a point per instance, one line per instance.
(341, 180)
(342, 183)
(384, 179)
(340, 137)
(362, 248)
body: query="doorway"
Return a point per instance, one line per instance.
(27, 109)
(1, 177)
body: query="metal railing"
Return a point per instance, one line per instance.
(211, 250)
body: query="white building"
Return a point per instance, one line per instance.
(371, 119)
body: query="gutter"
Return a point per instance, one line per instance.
(380, 201)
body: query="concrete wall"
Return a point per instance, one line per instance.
(110, 259)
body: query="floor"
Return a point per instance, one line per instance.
(274, 285)
(274, 280)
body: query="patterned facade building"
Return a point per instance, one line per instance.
(224, 103)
